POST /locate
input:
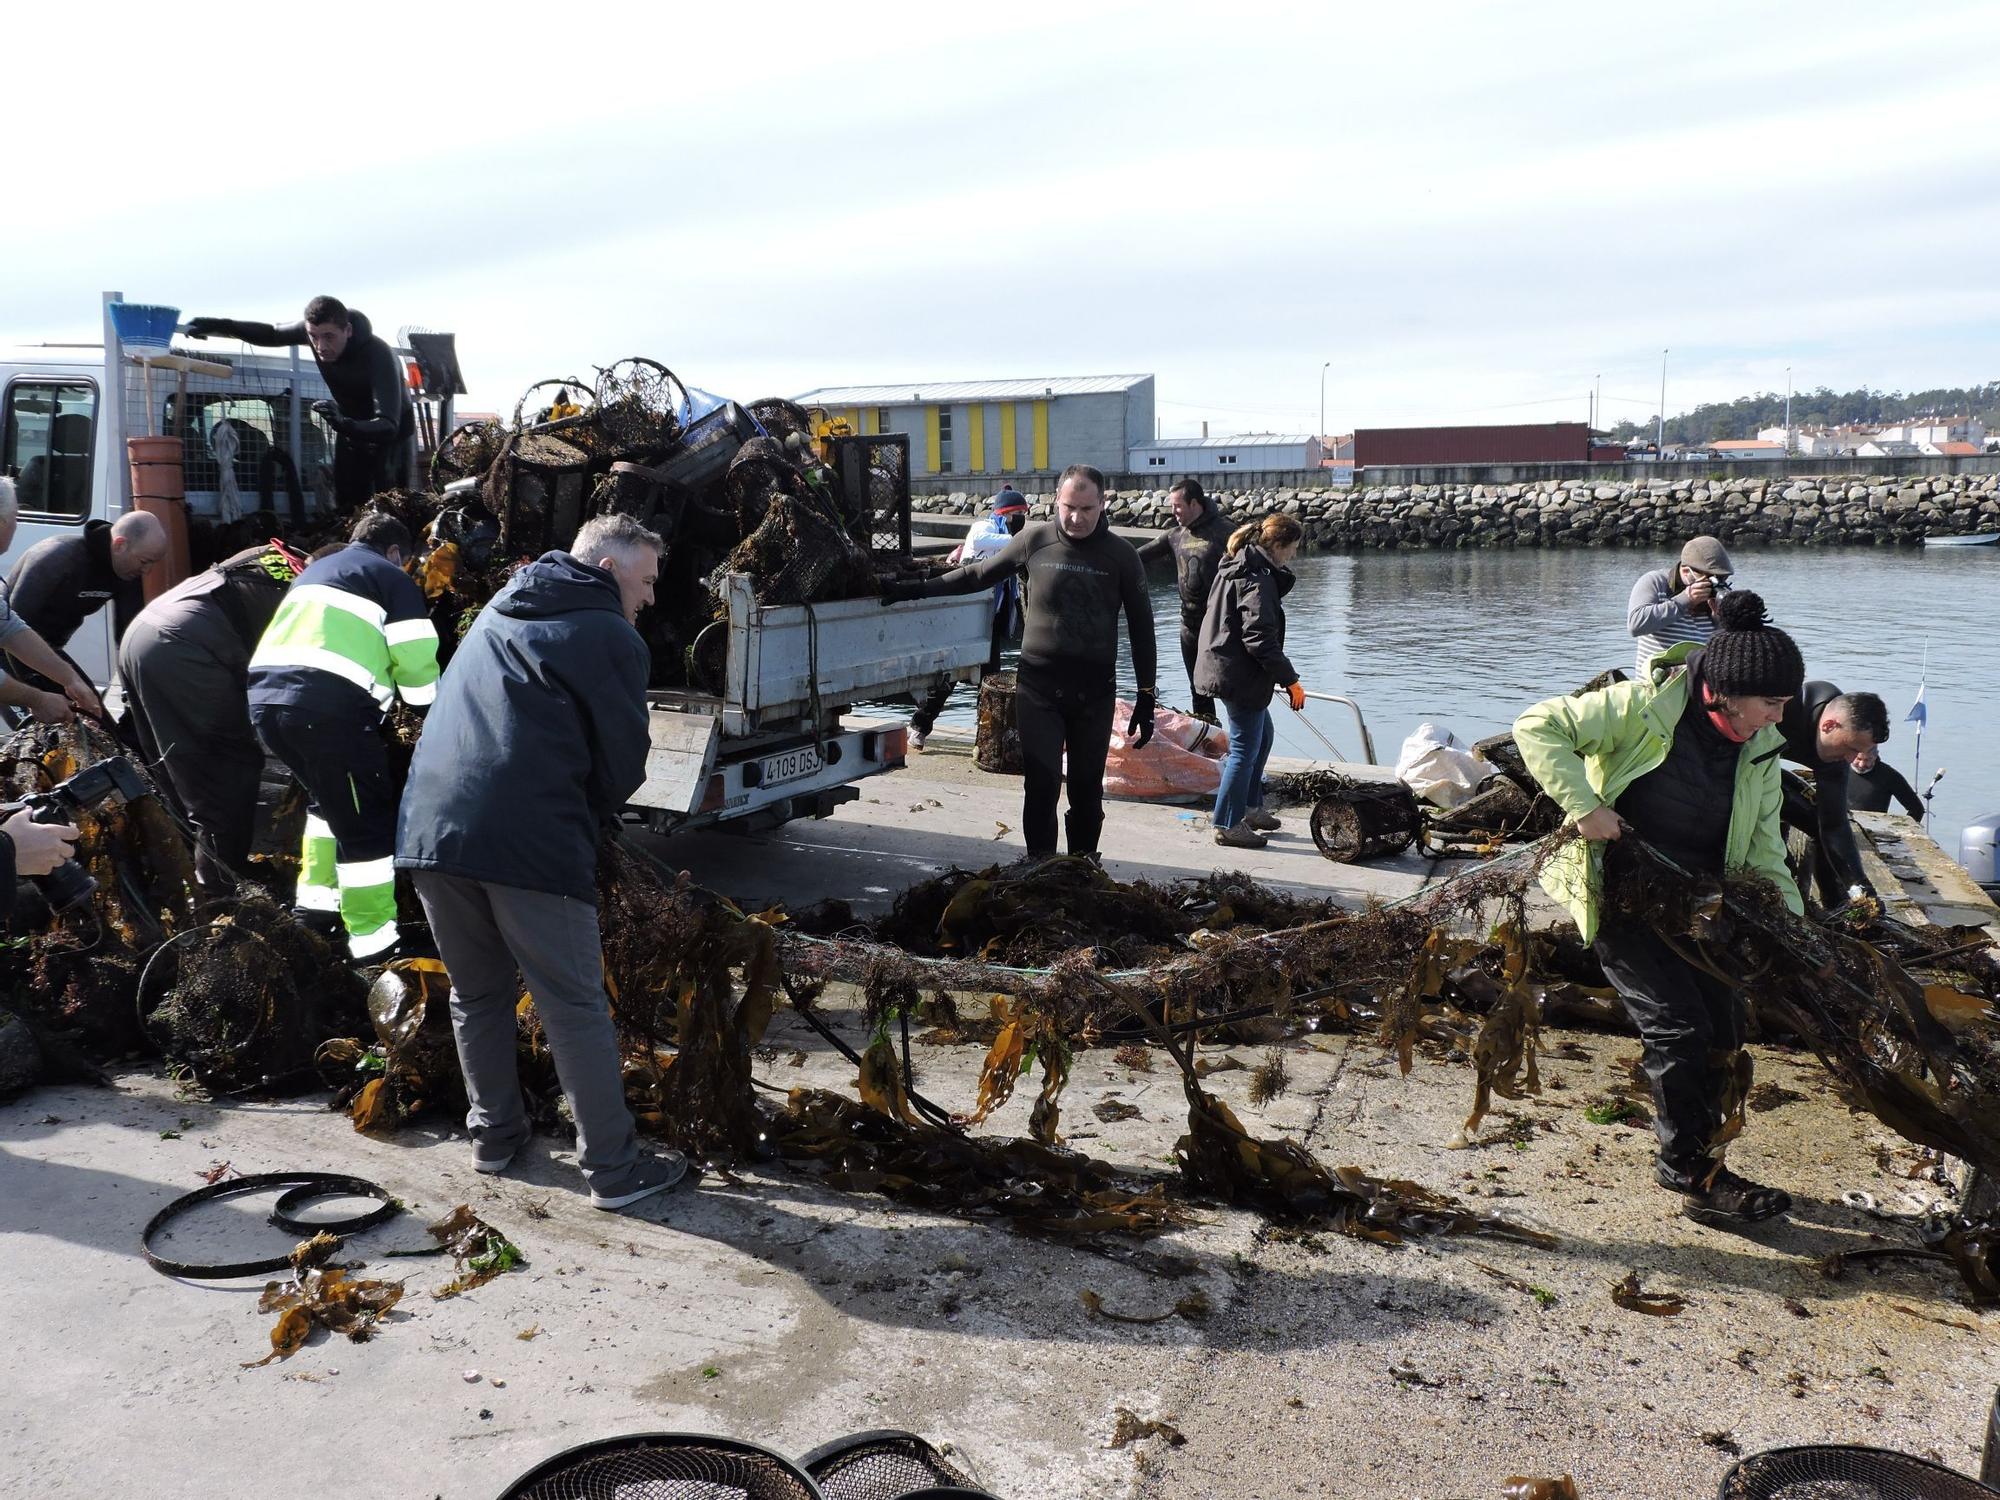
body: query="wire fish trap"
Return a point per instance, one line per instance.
(641, 406)
(665, 1466)
(1361, 821)
(467, 452)
(800, 555)
(884, 1465)
(1838, 1471)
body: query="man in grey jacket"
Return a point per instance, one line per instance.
(537, 739)
(1671, 605)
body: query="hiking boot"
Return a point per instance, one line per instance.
(1262, 821)
(650, 1174)
(1728, 1201)
(1242, 836)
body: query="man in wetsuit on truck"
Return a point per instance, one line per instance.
(1197, 544)
(1080, 575)
(371, 416)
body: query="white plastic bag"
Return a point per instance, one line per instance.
(1441, 771)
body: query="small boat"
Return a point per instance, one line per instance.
(1975, 539)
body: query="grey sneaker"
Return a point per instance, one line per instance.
(650, 1174)
(1242, 836)
(492, 1160)
(1262, 821)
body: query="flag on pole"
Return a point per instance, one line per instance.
(1918, 714)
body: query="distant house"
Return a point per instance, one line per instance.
(1886, 448)
(1747, 448)
(1950, 450)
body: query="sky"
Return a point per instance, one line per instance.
(1427, 212)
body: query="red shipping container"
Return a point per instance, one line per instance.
(1429, 447)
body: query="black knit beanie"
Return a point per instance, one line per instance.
(1748, 656)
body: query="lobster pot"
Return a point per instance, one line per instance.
(998, 746)
(1361, 823)
(537, 488)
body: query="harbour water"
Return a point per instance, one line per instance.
(1466, 639)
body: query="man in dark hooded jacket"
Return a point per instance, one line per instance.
(370, 413)
(538, 737)
(1196, 544)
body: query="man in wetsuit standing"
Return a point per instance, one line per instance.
(1197, 544)
(1080, 575)
(370, 413)
(1824, 730)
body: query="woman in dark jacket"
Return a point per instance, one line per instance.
(1239, 662)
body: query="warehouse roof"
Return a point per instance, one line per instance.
(1241, 440)
(970, 390)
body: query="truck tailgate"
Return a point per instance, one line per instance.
(854, 649)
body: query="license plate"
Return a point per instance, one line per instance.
(790, 766)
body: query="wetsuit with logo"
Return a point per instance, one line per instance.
(1067, 686)
(377, 422)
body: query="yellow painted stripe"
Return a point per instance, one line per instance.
(1010, 455)
(1041, 434)
(931, 432)
(975, 452)
(868, 425)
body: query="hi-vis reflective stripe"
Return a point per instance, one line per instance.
(316, 898)
(279, 654)
(398, 632)
(363, 944)
(420, 697)
(318, 827)
(367, 872)
(340, 599)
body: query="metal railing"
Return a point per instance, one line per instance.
(1360, 723)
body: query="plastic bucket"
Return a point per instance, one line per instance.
(144, 327)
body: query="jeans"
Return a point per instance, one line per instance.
(1250, 736)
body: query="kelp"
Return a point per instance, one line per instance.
(322, 1296)
(478, 1250)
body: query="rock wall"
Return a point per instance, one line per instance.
(1829, 511)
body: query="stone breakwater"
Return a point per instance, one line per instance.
(1824, 511)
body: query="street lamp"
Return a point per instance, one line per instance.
(1660, 433)
(1788, 411)
(1322, 399)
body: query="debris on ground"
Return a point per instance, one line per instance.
(478, 1250)
(1631, 1296)
(322, 1296)
(1131, 1427)
(1538, 1487)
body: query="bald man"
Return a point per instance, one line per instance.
(61, 582)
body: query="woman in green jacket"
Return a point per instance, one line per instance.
(1689, 762)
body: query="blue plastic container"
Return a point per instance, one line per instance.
(144, 328)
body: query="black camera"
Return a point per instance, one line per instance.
(110, 781)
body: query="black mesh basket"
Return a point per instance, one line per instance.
(885, 1465)
(1833, 1471)
(664, 1466)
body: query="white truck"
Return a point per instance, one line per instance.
(770, 745)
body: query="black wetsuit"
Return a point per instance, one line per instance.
(377, 421)
(1837, 858)
(1873, 791)
(1067, 686)
(1197, 552)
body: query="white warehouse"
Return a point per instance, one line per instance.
(1259, 452)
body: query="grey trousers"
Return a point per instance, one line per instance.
(486, 933)
(182, 666)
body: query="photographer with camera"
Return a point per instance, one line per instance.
(1671, 605)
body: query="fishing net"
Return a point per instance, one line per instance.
(798, 554)
(466, 452)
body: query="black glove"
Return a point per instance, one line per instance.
(330, 414)
(899, 590)
(207, 328)
(1140, 731)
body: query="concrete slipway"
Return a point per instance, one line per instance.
(770, 1308)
